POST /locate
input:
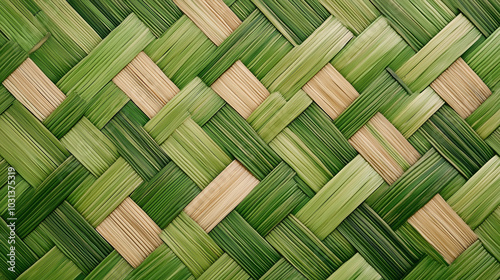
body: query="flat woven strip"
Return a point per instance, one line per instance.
(250, 139)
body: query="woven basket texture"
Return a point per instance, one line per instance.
(250, 139)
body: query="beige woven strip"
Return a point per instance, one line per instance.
(213, 17)
(221, 196)
(131, 232)
(331, 91)
(443, 228)
(374, 152)
(144, 82)
(34, 90)
(241, 89)
(395, 138)
(461, 88)
(369, 147)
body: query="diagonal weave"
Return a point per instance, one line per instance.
(250, 139)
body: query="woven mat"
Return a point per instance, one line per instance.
(250, 139)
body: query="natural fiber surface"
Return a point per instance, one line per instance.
(250, 139)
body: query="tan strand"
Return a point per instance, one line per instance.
(131, 232)
(221, 196)
(461, 88)
(146, 85)
(241, 89)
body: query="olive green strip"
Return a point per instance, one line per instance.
(381, 92)
(494, 141)
(39, 241)
(377, 243)
(489, 234)
(54, 265)
(161, 264)
(166, 194)
(456, 141)
(285, 76)
(11, 56)
(286, 114)
(307, 165)
(17, 27)
(283, 270)
(107, 59)
(6, 99)
(315, 128)
(271, 200)
(437, 55)
(339, 246)
(233, 134)
(242, 8)
(35, 206)
(484, 60)
(474, 263)
(225, 268)
(75, 237)
(28, 146)
(486, 118)
(303, 249)
(266, 110)
(478, 198)
(54, 59)
(136, 146)
(97, 200)
(417, 22)
(112, 267)
(181, 52)
(24, 256)
(196, 153)
(69, 22)
(114, 10)
(158, 16)
(195, 100)
(356, 15)
(66, 115)
(427, 268)
(484, 14)
(355, 267)
(419, 142)
(61, 36)
(22, 187)
(91, 147)
(296, 19)
(93, 16)
(417, 244)
(366, 56)
(339, 197)
(191, 244)
(104, 106)
(419, 184)
(410, 112)
(240, 241)
(255, 42)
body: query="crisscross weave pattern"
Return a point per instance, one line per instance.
(250, 139)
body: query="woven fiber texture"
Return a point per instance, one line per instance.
(250, 139)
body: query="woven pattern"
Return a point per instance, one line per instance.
(250, 139)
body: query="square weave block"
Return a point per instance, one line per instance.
(131, 232)
(443, 228)
(144, 82)
(241, 89)
(331, 91)
(34, 90)
(461, 88)
(221, 196)
(385, 148)
(213, 17)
